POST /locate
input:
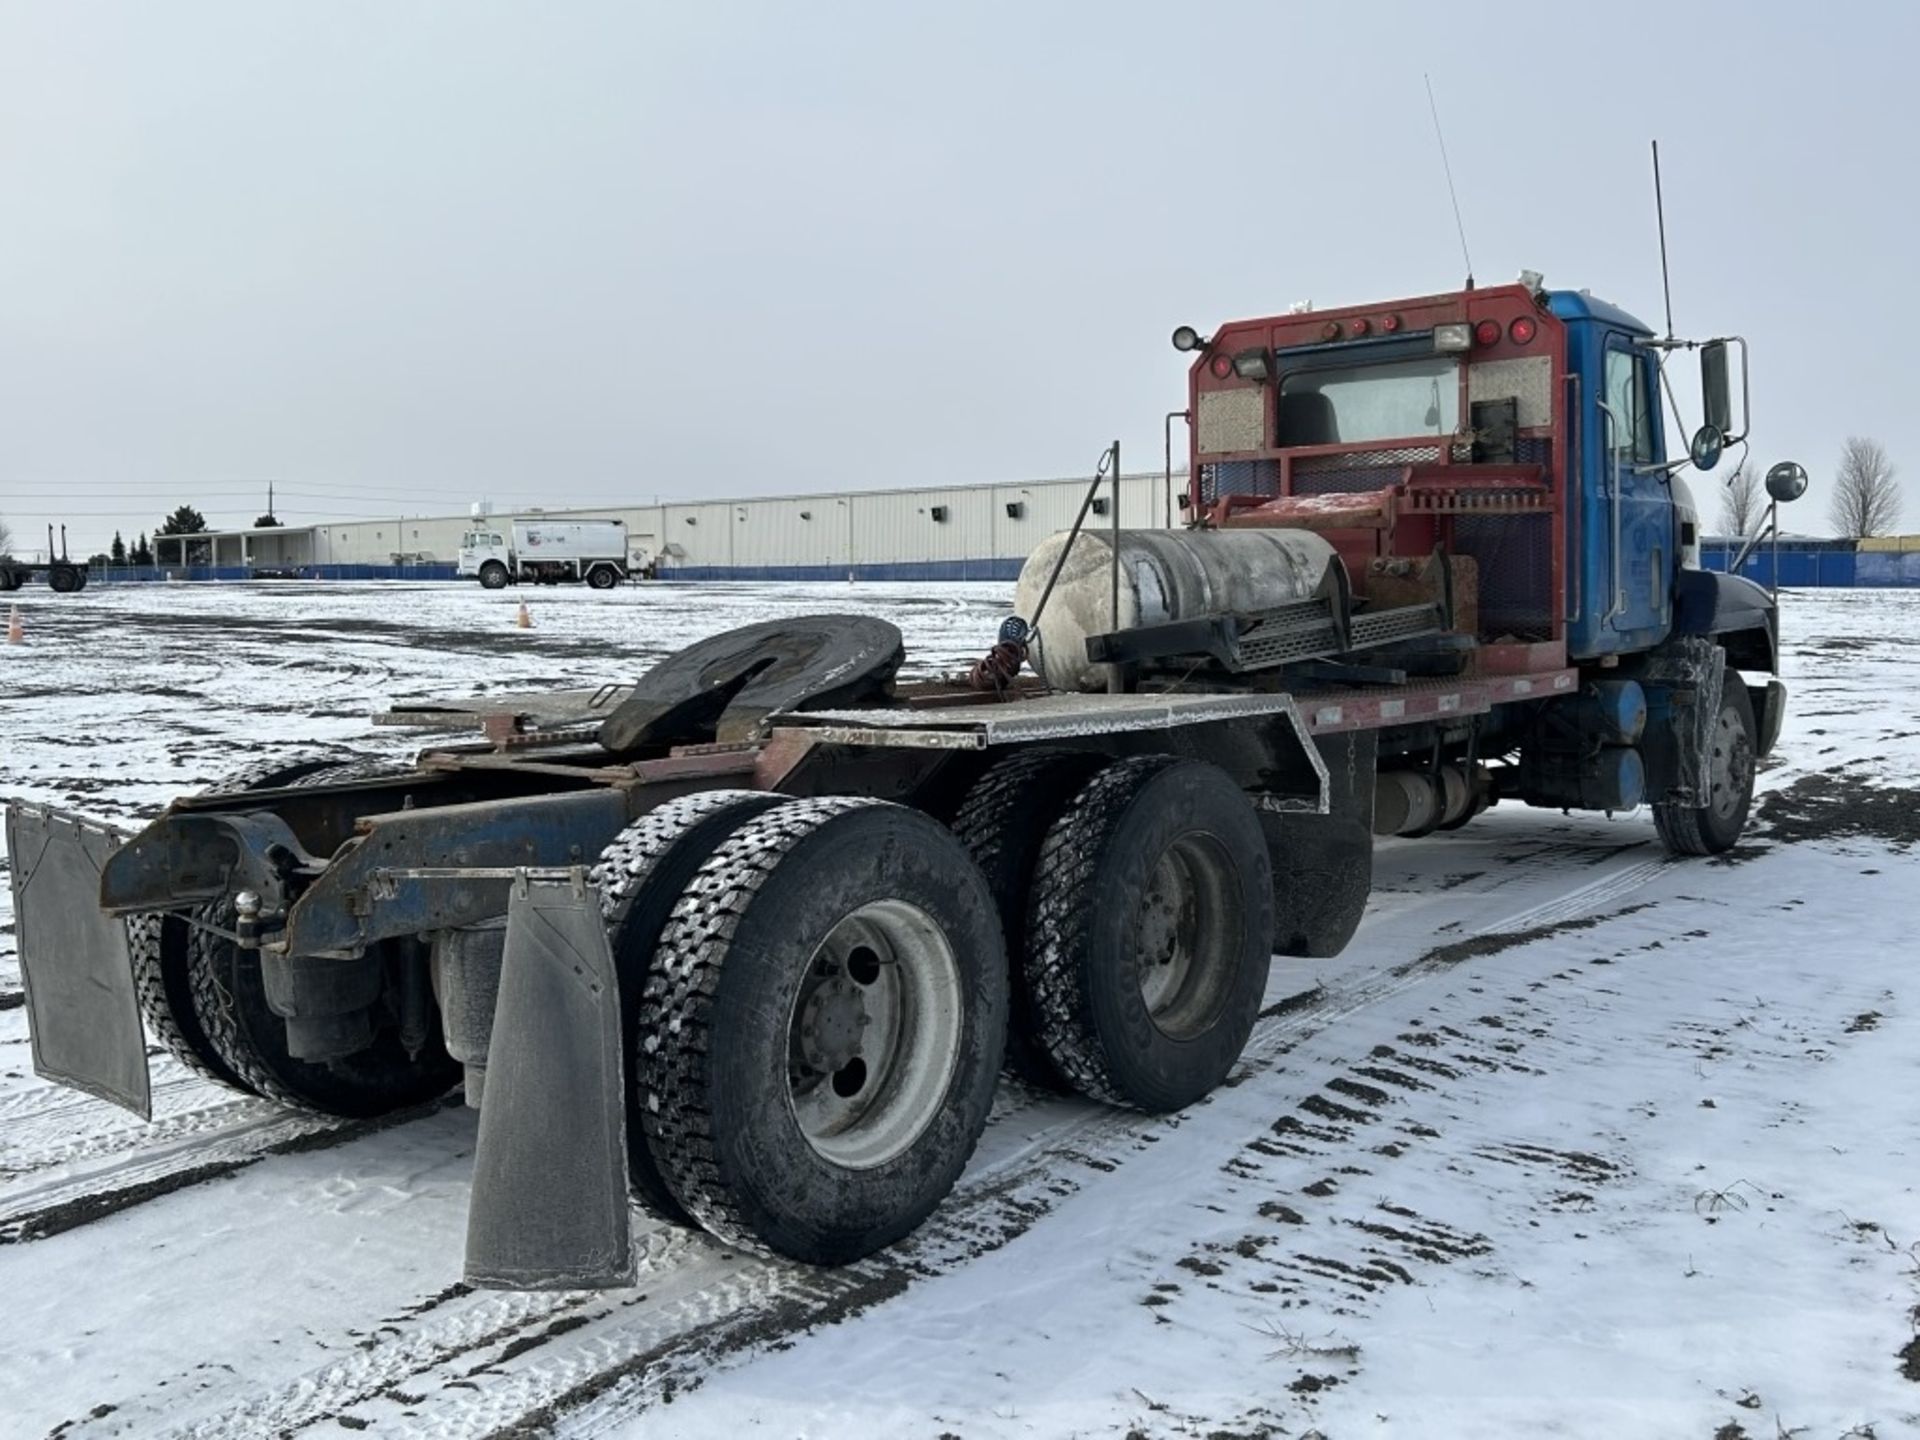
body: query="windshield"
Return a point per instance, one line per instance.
(1370, 402)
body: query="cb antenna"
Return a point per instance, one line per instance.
(1660, 214)
(1448, 168)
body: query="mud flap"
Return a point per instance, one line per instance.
(83, 1013)
(549, 1206)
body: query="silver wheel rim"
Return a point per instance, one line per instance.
(874, 1034)
(1189, 933)
(1731, 764)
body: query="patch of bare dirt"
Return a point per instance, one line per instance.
(1834, 804)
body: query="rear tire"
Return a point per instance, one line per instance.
(493, 576)
(61, 580)
(1003, 822)
(602, 578)
(640, 876)
(230, 1001)
(822, 1029)
(1152, 932)
(1714, 828)
(158, 943)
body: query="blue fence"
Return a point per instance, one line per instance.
(138, 574)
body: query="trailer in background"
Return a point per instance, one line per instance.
(65, 576)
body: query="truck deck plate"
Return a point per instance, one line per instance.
(1047, 717)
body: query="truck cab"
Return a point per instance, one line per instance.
(1518, 430)
(479, 546)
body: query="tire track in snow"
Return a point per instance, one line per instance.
(507, 1364)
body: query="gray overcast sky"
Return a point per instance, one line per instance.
(402, 255)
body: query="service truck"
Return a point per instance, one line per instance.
(545, 552)
(748, 941)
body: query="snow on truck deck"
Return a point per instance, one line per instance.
(1572, 1140)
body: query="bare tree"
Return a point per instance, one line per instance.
(1741, 503)
(1866, 501)
(6, 538)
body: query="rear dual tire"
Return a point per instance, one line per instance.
(821, 1029)
(1150, 933)
(205, 998)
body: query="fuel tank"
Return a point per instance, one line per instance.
(1164, 575)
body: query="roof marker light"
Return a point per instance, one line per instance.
(1359, 327)
(1522, 331)
(1390, 324)
(1487, 332)
(1221, 366)
(1330, 330)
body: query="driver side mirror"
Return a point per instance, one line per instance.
(1716, 389)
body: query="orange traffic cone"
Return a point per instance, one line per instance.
(523, 619)
(16, 632)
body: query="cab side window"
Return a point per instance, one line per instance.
(1626, 397)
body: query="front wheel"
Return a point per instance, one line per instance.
(493, 575)
(602, 578)
(822, 1029)
(1714, 828)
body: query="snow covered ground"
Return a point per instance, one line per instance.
(1573, 1140)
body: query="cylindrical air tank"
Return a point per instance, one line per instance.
(1164, 575)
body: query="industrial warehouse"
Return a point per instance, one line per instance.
(965, 532)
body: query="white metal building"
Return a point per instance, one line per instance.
(965, 532)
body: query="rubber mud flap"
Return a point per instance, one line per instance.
(1322, 876)
(549, 1204)
(723, 687)
(82, 1010)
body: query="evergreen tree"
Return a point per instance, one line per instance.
(117, 552)
(184, 521)
(142, 552)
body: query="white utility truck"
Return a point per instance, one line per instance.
(546, 552)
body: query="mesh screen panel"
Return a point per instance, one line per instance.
(1358, 471)
(1239, 477)
(1515, 557)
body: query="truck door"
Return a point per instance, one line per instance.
(1640, 532)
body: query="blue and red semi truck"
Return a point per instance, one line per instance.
(750, 942)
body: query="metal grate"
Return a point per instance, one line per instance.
(1358, 470)
(1514, 554)
(1239, 477)
(1306, 631)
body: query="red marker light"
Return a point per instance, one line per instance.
(1221, 366)
(1390, 323)
(1357, 328)
(1522, 330)
(1487, 332)
(1330, 330)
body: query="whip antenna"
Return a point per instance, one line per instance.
(1448, 168)
(1660, 213)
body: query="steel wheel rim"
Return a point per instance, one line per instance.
(1731, 764)
(873, 1036)
(1191, 923)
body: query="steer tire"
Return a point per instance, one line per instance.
(1714, 828)
(602, 577)
(229, 998)
(1003, 821)
(1158, 856)
(158, 943)
(640, 876)
(724, 1069)
(493, 575)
